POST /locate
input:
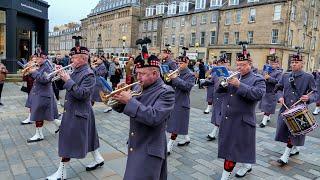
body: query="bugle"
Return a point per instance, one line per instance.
(168, 76)
(54, 75)
(224, 82)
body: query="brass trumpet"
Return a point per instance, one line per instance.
(26, 70)
(168, 76)
(54, 74)
(224, 82)
(107, 97)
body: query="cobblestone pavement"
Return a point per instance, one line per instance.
(19, 160)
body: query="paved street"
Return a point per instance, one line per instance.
(19, 160)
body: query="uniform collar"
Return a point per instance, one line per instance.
(157, 83)
(246, 75)
(81, 68)
(298, 73)
(184, 71)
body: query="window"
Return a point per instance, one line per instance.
(228, 18)
(252, 15)
(214, 17)
(166, 23)
(215, 3)
(154, 41)
(194, 20)
(250, 37)
(274, 36)
(305, 20)
(202, 39)
(165, 40)
(155, 25)
(277, 13)
(160, 9)
(312, 3)
(315, 22)
(293, 13)
(238, 16)
(193, 39)
(173, 40)
(251, 1)
(290, 35)
(2, 35)
(145, 25)
(303, 40)
(226, 38)
(181, 40)
(182, 21)
(183, 6)
(313, 44)
(149, 11)
(236, 37)
(213, 38)
(149, 25)
(173, 23)
(204, 19)
(233, 2)
(172, 9)
(200, 4)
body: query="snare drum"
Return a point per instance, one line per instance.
(299, 120)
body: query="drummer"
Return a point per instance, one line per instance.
(294, 86)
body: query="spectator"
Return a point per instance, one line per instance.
(3, 75)
(129, 68)
(115, 72)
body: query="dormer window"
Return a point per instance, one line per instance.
(216, 3)
(183, 6)
(233, 2)
(172, 8)
(200, 4)
(150, 11)
(160, 9)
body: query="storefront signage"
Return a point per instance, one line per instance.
(30, 7)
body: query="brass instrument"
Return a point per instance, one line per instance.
(224, 82)
(54, 74)
(168, 76)
(107, 97)
(26, 70)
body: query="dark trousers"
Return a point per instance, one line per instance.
(1, 87)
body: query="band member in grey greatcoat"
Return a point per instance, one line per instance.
(237, 131)
(78, 134)
(99, 69)
(295, 85)
(178, 123)
(269, 101)
(41, 100)
(148, 114)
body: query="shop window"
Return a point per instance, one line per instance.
(2, 35)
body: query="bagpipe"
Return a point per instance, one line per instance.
(267, 69)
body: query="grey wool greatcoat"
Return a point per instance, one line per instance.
(179, 119)
(172, 65)
(217, 99)
(147, 144)
(304, 83)
(41, 99)
(78, 133)
(210, 90)
(268, 102)
(100, 70)
(237, 132)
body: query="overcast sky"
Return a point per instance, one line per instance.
(64, 11)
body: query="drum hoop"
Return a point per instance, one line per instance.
(304, 132)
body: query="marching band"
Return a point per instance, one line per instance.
(156, 98)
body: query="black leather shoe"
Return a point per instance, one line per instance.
(22, 123)
(240, 176)
(184, 144)
(95, 166)
(294, 154)
(281, 162)
(209, 138)
(262, 125)
(32, 141)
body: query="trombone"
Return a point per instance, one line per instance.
(107, 97)
(168, 76)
